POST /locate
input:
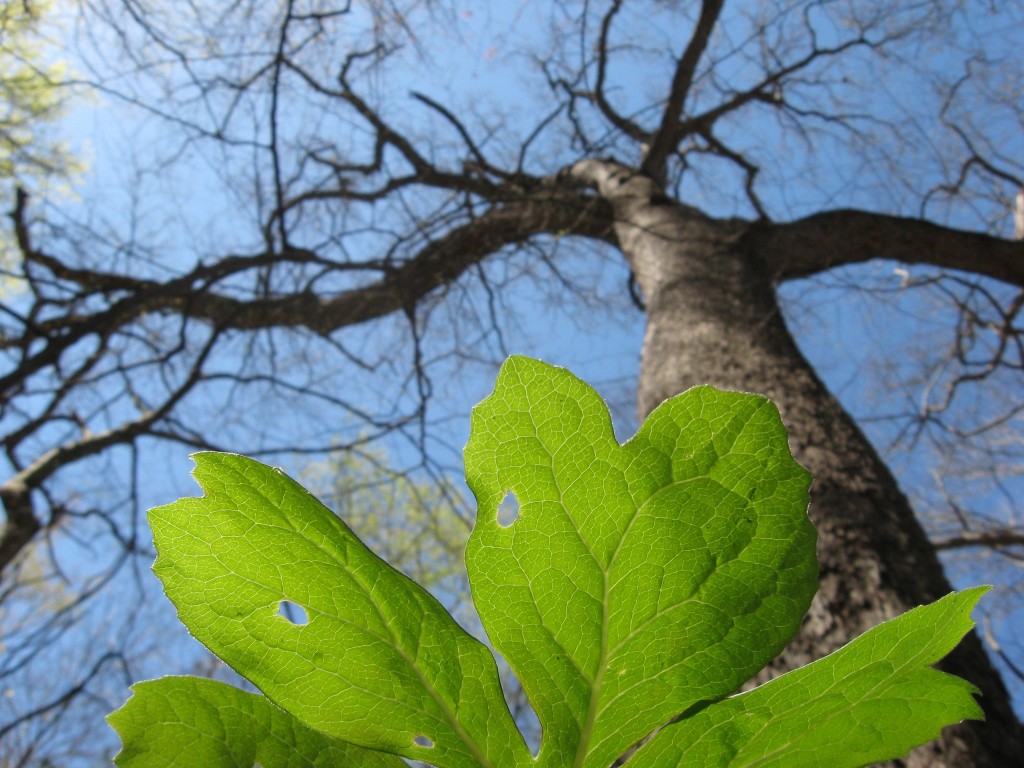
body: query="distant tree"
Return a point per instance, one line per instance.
(348, 213)
(31, 100)
(419, 527)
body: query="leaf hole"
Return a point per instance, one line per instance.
(423, 741)
(292, 613)
(508, 510)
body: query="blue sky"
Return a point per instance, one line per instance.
(861, 341)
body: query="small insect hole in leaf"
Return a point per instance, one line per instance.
(423, 741)
(293, 613)
(508, 510)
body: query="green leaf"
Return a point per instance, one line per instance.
(638, 587)
(872, 700)
(181, 722)
(380, 663)
(638, 579)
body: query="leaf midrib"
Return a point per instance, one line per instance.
(590, 719)
(586, 731)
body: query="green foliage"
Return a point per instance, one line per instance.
(30, 93)
(31, 98)
(188, 722)
(641, 585)
(869, 701)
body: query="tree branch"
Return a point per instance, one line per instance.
(441, 262)
(998, 538)
(665, 140)
(438, 263)
(16, 492)
(835, 238)
(625, 125)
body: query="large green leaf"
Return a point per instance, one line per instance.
(640, 585)
(380, 663)
(638, 579)
(872, 700)
(187, 722)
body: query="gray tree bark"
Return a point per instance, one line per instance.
(713, 319)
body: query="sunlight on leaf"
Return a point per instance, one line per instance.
(871, 700)
(379, 662)
(183, 722)
(631, 588)
(639, 579)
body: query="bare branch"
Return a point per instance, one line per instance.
(666, 138)
(625, 125)
(1010, 537)
(836, 238)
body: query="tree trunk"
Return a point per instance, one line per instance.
(713, 318)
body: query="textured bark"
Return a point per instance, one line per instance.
(713, 318)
